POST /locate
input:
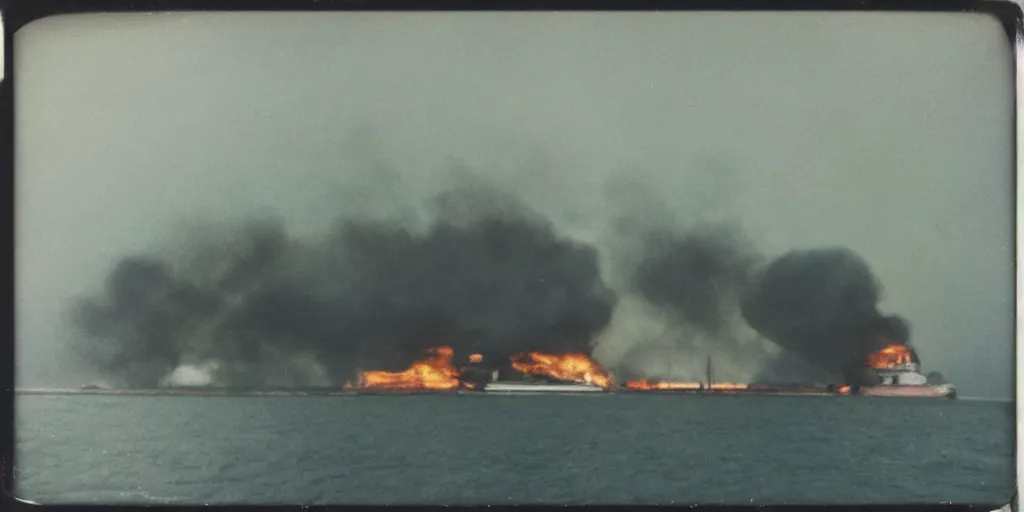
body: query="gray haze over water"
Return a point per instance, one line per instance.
(803, 131)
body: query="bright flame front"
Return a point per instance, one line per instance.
(435, 372)
(570, 367)
(889, 357)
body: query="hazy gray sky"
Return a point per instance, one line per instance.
(891, 138)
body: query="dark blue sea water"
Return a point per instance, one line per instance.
(509, 449)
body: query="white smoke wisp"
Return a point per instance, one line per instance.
(192, 375)
(643, 341)
(633, 324)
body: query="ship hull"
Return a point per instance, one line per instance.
(515, 387)
(921, 391)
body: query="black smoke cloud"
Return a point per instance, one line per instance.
(137, 332)
(695, 275)
(694, 278)
(819, 306)
(486, 275)
(822, 305)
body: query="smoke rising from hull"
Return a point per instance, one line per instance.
(259, 308)
(696, 275)
(715, 296)
(251, 305)
(691, 281)
(822, 305)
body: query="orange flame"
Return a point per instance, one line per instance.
(573, 367)
(843, 390)
(649, 385)
(889, 357)
(725, 386)
(435, 372)
(476, 358)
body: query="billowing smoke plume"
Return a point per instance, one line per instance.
(260, 308)
(822, 305)
(693, 280)
(138, 332)
(819, 307)
(697, 275)
(257, 307)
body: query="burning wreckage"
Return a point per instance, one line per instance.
(518, 305)
(530, 372)
(892, 371)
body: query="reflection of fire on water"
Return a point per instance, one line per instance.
(568, 367)
(889, 357)
(435, 372)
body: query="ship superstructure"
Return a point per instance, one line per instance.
(905, 374)
(904, 379)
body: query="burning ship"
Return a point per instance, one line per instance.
(891, 371)
(531, 372)
(895, 371)
(708, 386)
(552, 373)
(433, 373)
